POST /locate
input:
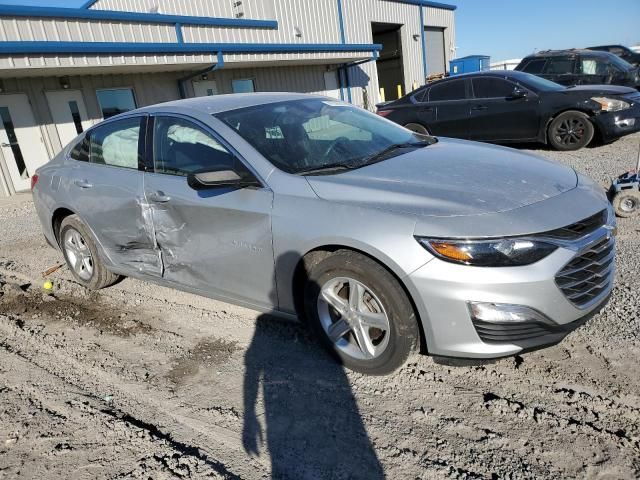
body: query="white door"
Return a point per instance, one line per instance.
(20, 139)
(204, 88)
(331, 88)
(69, 114)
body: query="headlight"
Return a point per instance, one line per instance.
(507, 252)
(610, 104)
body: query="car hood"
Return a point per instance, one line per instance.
(600, 89)
(450, 178)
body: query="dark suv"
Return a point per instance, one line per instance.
(581, 67)
(621, 51)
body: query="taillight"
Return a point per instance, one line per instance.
(384, 113)
(34, 180)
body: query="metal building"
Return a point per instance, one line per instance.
(64, 69)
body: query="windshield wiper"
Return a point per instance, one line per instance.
(328, 168)
(376, 157)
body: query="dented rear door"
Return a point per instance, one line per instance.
(105, 188)
(219, 240)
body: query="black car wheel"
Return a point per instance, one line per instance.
(571, 131)
(416, 127)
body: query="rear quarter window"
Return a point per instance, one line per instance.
(80, 150)
(534, 66)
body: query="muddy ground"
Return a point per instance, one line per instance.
(139, 381)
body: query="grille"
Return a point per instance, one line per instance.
(506, 333)
(590, 274)
(579, 229)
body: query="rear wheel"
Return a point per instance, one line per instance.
(361, 313)
(626, 203)
(416, 127)
(81, 255)
(570, 131)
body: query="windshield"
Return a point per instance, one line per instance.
(620, 63)
(317, 135)
(539, 83)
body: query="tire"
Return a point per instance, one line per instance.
(570, 130)
(416, 127)
(626, 203)
(80, 253)
(382, 300)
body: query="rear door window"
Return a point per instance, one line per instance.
(560, 66)
(488, 87)
(116, 143)
(450, 90)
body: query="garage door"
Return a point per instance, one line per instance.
(434, 39)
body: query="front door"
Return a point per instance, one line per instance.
(20, 139)
(69, 114)
(497, 115)
(217, 240)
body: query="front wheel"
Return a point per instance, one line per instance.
(570, 131)
(361, 313)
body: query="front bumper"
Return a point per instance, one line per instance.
(444, 290)
(617, 124)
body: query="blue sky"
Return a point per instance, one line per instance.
(512, 29)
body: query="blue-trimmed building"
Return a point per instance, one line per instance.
(63, 69)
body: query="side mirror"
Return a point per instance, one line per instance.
(220, 178)
(518, 93)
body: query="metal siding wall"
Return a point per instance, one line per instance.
(262, 9)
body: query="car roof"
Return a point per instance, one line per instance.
(515, 74)
(232, 101)
(568, 51)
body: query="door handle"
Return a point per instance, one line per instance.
(479, 107)
(426, 109)
(159, 197)
(82, 184)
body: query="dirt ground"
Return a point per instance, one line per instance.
(140, 381)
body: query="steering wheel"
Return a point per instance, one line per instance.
(330, 148)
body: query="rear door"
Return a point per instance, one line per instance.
(497, 115)
(105, 189)
(448, 108)
(217, 240)
(561, 70)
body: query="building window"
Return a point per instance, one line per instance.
(115, 100)
(243, 85)
(75, 115)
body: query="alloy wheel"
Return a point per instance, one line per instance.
(78, 254)
(570, 131)
(353, 318)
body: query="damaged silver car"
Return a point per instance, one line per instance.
(385, 241)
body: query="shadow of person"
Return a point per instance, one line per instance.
(307, 421)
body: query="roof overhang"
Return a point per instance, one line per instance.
(138, 17)
(90, 48)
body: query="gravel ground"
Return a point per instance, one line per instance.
(140, 381)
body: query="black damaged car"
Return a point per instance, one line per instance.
(511, 106)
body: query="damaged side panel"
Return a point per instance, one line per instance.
(217, 241)
(118, 215)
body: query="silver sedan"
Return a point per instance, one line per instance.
(385, 241)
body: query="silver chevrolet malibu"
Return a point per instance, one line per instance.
(385, 241)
